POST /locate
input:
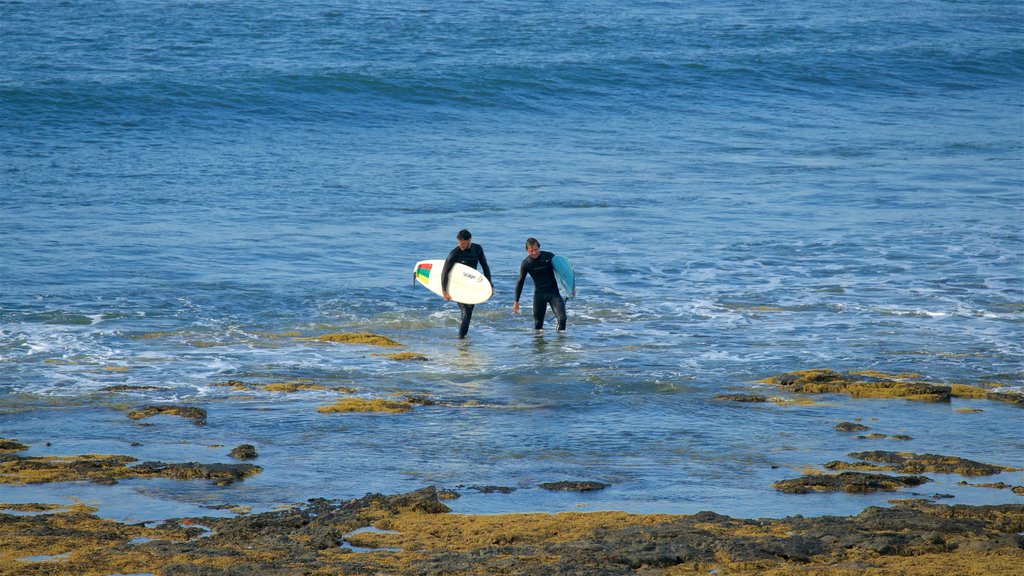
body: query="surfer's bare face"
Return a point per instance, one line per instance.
(533, 251)
(464, 244)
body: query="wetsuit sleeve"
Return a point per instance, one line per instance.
(521, 280)
(448, 263)
(483, 264)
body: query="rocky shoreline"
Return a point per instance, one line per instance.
(416, 533)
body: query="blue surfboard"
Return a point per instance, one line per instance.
(565, 276)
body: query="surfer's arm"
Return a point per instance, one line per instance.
(448, 263)
(483, 264)
(519, 286)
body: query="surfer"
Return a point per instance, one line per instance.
(469, 254)
(545, 288)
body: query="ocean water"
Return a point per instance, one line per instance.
(744, 188)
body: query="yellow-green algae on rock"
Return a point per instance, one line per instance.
(872, 384)
(911, 463)
(356, 338)
(364, 405)
(108, 469)
(417, 534)
(197, 415)
(405, 357)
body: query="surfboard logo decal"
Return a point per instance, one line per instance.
(423, 272)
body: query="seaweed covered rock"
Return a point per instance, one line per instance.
(871, 384)
(416, 535)
(742, 397)
(364, 405)
(108, 469)
(11, 445)
(197, 415)
(356, 338)
(573, 486)
(855, 482)
(858, 385)
(244, 452)
(911, 463)
(221, 474)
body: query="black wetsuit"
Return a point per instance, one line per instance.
(470, 257)
(545, 288)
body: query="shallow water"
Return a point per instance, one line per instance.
(743, 191)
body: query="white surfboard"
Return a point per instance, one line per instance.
(465, 285)
(565, 276)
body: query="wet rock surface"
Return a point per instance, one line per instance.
(742, 397)
(196, 415)
(911, 463)
(867, 384)
(856, 482)
(573, 486)
(415, 534)
(244, 452)
(108, 469)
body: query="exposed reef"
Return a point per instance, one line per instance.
(574, 485)
(244, 452)
(356, 338)
(108, 469)
(405, 357)
(855, 482)
(197, 415)
(910, 463)
(364, 405)
(416, 534)
(867, 384)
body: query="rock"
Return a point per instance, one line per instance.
(197, 415)
(244, 452)
(742, 397)
(848, 482)
(850, 427)
(573, 486)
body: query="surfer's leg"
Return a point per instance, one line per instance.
(467, 315)
(558, 307)
(540, 308)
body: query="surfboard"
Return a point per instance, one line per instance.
(465, 285)
(564, 275)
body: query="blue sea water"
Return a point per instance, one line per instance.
(745, 188)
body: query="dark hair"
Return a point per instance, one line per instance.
(463, 235)
(531, 241)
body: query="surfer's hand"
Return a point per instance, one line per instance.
(515, 307)
(446, 296)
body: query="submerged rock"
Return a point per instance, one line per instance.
(574, 486)
(742, 397)
(850, 427)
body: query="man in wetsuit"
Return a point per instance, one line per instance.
(545, 288)
(469, 254)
